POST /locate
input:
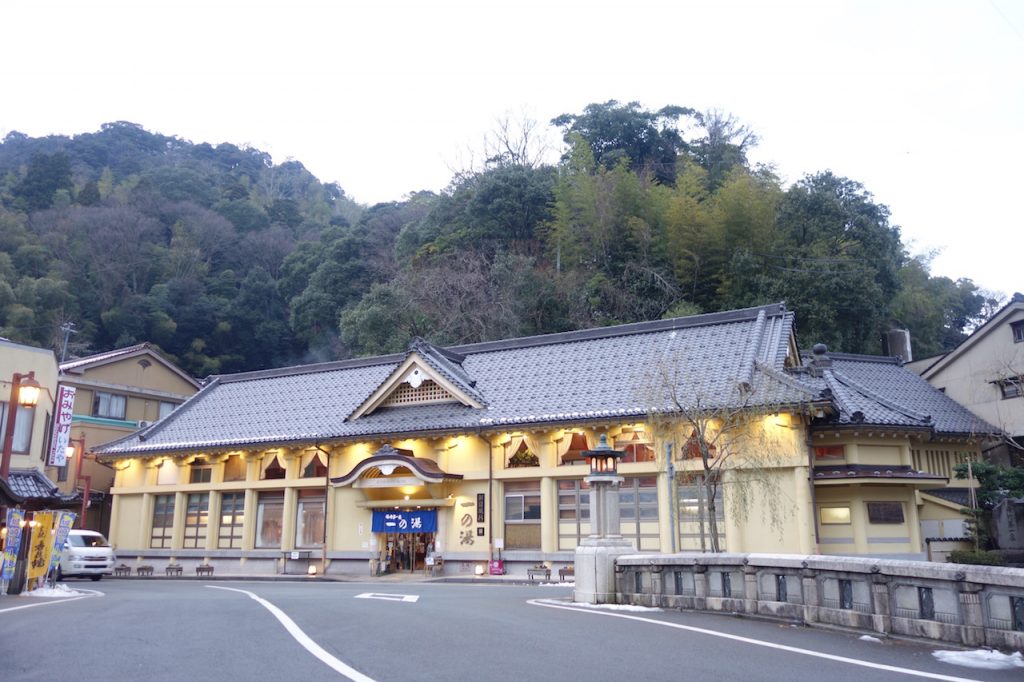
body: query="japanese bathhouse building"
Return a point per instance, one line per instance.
(477, 451)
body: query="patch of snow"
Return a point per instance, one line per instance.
(982, 658)
(57, 591)
(868, 638)
(558, 584)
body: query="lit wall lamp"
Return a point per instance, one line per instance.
(24, 393)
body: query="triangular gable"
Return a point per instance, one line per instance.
(413, 373)
(81, 365)
(995, 322)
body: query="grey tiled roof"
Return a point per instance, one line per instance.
(101, 357)
(612, 372)
(959, 496)
(731, 359)
(449, 365)
(885, 393)
(31, 483)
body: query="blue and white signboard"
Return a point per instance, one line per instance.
(419, 521)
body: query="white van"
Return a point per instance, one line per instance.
(86, 554)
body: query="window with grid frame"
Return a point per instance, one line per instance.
(309, 519)
(1018, 331)
(522, 514)
(197, 518)
(163, 522)
(232, 516)
(1012, 387)
(636, 447)
(269, 518)
(23, 419)
(573, 512)
(109, 405)
(200, 472)
(638, 504)
(694, 513)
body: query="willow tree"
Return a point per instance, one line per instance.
(735, 440)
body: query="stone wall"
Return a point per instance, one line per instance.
(965, 605)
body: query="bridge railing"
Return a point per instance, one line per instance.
(965, 605)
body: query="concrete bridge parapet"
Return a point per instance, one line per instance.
(964, 605)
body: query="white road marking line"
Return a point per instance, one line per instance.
(756, 642)
(302, 638)
(46, 601)
(388, 597)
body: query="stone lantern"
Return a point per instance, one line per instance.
(596, 554)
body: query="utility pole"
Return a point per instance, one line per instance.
(68, 328)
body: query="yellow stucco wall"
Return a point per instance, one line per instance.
(16, 358)
(780, 518)
(133, 372)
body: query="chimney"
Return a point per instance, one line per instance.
(896, 343)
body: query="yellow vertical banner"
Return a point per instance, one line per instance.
(41, 546)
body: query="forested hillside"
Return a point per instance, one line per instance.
(229, 262)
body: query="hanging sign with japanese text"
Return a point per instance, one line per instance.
(40, 545)
(12, 543)
(418, 521)
(62, 426)
(65, 519)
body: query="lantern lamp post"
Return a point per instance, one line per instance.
(24, 393)
(596, 554)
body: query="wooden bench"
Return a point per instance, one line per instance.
(533, 573)
(566, 572)
(173, 569)
(204, 569)
(122, 570)
(144, 570)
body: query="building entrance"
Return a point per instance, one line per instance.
(406, 552)
(405, 537)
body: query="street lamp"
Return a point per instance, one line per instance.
(77, 445)
(24, 393)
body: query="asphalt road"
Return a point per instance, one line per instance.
(227, 630)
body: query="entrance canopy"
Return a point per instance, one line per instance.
(384, 464)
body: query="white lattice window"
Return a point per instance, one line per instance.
(426, 392)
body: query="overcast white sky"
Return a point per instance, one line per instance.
(921, 101)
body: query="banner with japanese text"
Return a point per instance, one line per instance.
(65, 520)
(12, 543)
(418, 521)
(63, 410)
(40, 545)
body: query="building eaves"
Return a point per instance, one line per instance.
(586, 377)
(1016, 301)
(80, 365)
(828, 472)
